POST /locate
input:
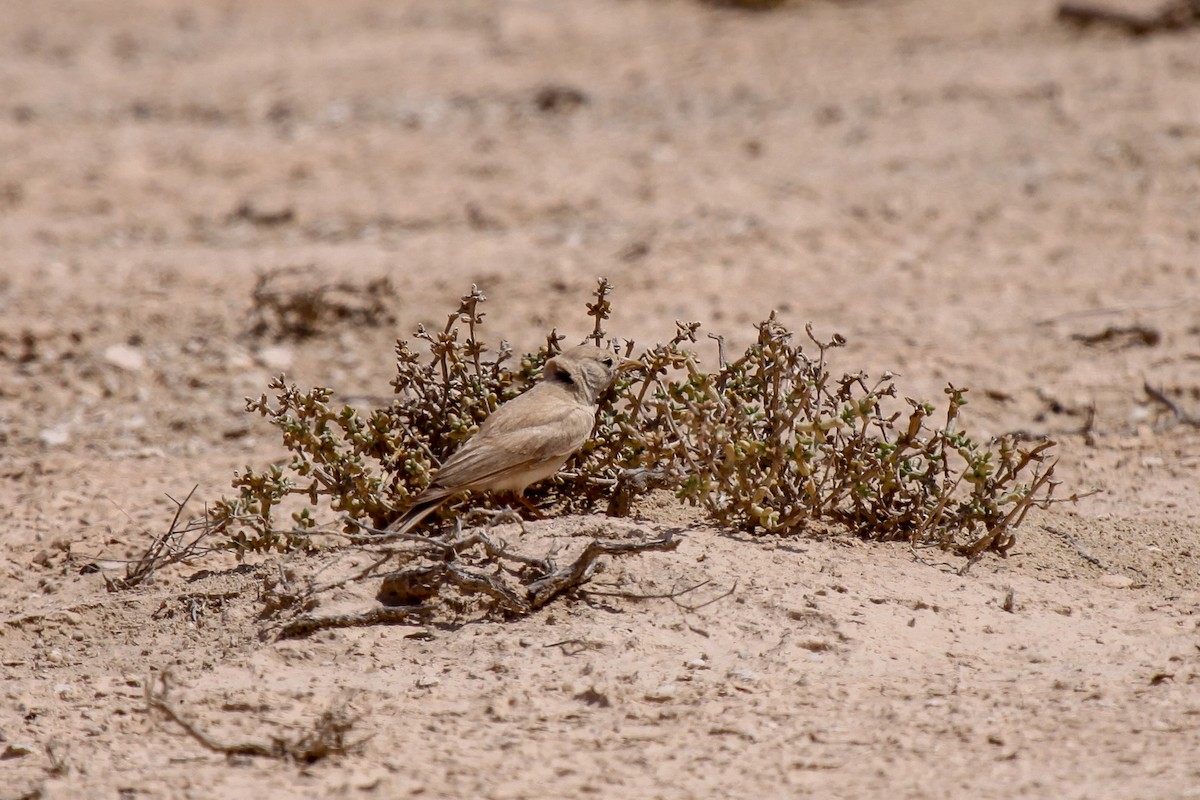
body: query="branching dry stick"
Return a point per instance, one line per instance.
(1181, 416)
(384, 615)
(328, 738)
(543, 590)
(684, 608)
(165, 549)
(157, 701)
(652, 596)
(1173, 15)
(1069, 539)
(707, 602)
(366, 572)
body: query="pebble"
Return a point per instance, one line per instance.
(428, 682)
(125, 357)
(17, 749)
(742, 675)
(277, 357)
(663, 693)
(56, 436)
(1116, 581)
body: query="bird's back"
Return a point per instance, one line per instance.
(530, 435)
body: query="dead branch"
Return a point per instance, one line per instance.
(708, 602)
(473, 583)
(1110, 311)
(652, 596)
(169, 548)
(366, 572)
(384, 615)
(632, 483)
(328, 736)
(1079, 550)
(1171, 16)
(1119, 337)
(543, 590)
(1181, 416)
(573, 647)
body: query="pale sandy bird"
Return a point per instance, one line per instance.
(530, 437)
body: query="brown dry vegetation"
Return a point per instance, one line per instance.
(971, 193)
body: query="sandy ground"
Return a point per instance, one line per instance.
(970, 192)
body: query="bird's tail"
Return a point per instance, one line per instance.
(415, 513)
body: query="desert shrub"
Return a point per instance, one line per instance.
(770, 442)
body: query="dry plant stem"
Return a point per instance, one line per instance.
(157, 701)
(442, 547)
(166, 549)
(1079, 550)
(1181, 416)
(384, 615)
(1173, 15)
(648, 596)
(543, 590)
(672, 596)
(367, 572)
(697, 606)
(326, 739)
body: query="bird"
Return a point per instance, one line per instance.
(530, 437)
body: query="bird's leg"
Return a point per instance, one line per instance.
(529, 506)
(490, 518)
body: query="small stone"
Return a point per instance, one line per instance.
(663, 693)
(428, 682)
(16, 750)
(55, 436)
(277, 357)
(742, 675)
(122, 356)
(55, 656)
(1113, 581)
(238, 360)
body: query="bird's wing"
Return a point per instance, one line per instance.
(531, 430)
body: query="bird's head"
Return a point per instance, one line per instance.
(587, 369)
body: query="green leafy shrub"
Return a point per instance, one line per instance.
(771, 441)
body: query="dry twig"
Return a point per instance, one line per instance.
(1079, 550)
(543, 590)
(172, 547)
(1181, 417)
(384, 615)
(328, 737)
(1171, 16)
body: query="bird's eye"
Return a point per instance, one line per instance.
(608, 361)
